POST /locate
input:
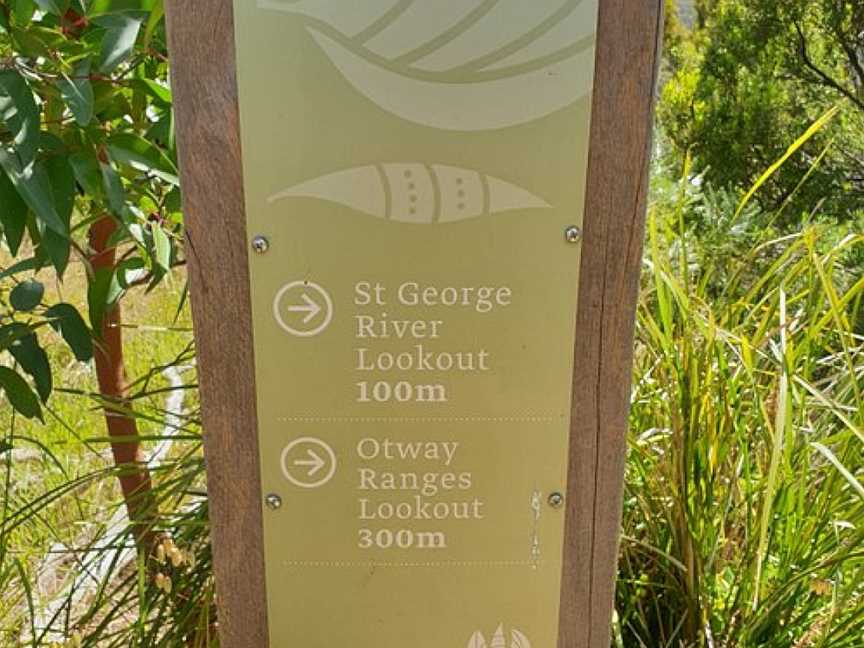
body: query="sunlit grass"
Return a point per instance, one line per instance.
(60, 490)
(744, 514)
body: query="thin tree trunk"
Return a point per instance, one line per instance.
(128, 454)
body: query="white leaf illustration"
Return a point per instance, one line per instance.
(520, 640)
(416, 193)
(477, 641)
(498, 640)
(465, 65)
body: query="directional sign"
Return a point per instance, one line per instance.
(419, 170)
(303, 308)
(308, 462)
(411, 375)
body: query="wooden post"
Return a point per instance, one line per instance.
(204, 73)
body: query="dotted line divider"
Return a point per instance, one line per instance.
(429, 419)
(454, 563)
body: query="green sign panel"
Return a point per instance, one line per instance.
(415, 171)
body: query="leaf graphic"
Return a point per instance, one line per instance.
(498, 640)
(477, 641)
(458, 64)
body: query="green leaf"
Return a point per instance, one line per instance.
(34, 361)
(19, 113)
(66, 320)
(55, 7)
(102, 294)
(163, 247)
(27, 295)
(131, 149)
(23, 11)
(20, 396)
(13, 214)
(817, 126)
(85, 166)
(174, 201)
(113, 186)
(119, 41)
(62, 178)
(77, 92)
(130, 270)
(159, 93)
(34, 186)
(26, 265)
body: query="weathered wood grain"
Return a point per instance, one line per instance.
(203, 70)
(629, 39)
(201, 40)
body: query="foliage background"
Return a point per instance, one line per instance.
(744, 507)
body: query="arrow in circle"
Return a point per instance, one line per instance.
(310, 308)
(315, 462)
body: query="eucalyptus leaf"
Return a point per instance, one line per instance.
(56, 7)
(66, 320)
(27, 295)
(20, 396)
(26, 265)
(159, 93)
(163, 248)
(34, 361)
(34, 186)
(85, 166)
(19, 113)
(118, 42)
(56, 246)
(113, 186)
(13, 214)
(140, 154)
(77, 92)
(23, 11)
(103, 293)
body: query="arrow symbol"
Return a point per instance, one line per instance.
(314, 462)
(310, 308)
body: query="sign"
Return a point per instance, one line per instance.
(413, 283)
(415, 174)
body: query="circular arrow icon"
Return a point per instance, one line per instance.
(308, 462)
(303, 308)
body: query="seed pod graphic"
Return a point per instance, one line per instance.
(499, 640)
(416, 193)
(465, 65)
(519, 640)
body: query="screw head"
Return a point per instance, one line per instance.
(260, 244)
(274, 502)
(573, 234)
(556, 500)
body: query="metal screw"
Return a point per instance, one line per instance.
(556, 500)
(260, 244)
(573, 234)
(274, 502)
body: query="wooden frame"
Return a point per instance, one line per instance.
(201, 36)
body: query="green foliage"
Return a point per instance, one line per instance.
(754, 74)
(744, 510)
(85, 130)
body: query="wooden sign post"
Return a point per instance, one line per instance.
(414, 244)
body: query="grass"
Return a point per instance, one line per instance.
(744, 512)
(61, 494)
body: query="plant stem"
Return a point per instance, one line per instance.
(128, 452)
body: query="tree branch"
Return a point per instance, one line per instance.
(823, 76)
